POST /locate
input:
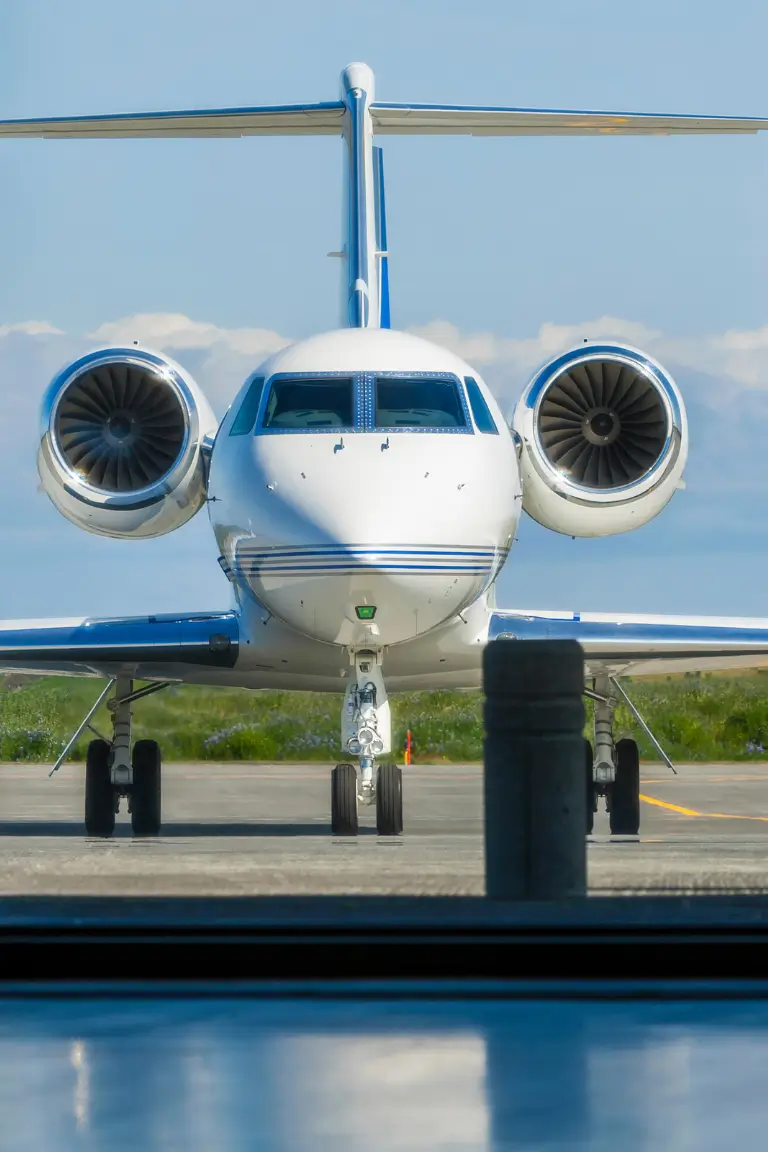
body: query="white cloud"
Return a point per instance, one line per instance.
(30, 328)
(174, 330)
(485, 348)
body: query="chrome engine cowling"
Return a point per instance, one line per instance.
(125, 440)
(604, 440)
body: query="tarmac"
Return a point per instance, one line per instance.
(239, 829)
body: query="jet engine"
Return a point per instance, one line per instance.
(125, 440)
(603, 440)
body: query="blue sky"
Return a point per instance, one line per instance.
(505, 249)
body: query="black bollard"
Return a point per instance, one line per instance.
(535, 798)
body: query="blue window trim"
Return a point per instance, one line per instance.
(363, 394)
(336, 430)
(480, 409)
(238, 426)
(371, 378)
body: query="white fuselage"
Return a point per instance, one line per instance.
(322, 525)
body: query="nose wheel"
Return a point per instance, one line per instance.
(344, 800)
(389, 800)
(387, 795)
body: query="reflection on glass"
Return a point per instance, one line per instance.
(80, 1098)
(226, 1075)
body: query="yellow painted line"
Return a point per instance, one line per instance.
(693, 812)
(671, 807)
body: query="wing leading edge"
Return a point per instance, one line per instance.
(288, 120)
(149, 647)
(644, 645)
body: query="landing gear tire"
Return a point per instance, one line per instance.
(99, 793)
(589, 761)
(389, 800)
(146, 803)
(625, 794)
(344, 800)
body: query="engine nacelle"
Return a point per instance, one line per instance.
(125, 440)
(604, 441)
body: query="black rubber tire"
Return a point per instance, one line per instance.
(389, 800)
(344, 800)
(589, 761)
(625, 794)
(146, 791)
(99, 793)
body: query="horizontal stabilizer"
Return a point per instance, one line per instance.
(291, 120)
(388, 119)
(448, 120)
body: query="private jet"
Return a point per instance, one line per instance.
(364, 491)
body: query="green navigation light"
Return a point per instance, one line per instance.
(365, 611)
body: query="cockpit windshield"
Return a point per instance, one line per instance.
(418, 403)
(313, 403)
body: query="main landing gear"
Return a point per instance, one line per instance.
(366, 734)
(112, 773)
(613, 771)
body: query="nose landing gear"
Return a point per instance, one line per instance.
(366, 732)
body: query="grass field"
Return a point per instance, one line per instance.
(694, 717)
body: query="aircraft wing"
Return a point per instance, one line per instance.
(388, 119)
(288, 120)
(453, 120)
(644, 645)
(147, 647)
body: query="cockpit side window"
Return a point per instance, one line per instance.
(480, 410)
(418, 403)
(310, 404)
(249, 409)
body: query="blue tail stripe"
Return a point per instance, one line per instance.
(381, 237)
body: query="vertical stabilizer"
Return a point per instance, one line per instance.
(363, 302)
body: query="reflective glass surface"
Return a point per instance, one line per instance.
(310, 404)
(275, 1074)
(418, 404)
(249, 409)
(480, 410)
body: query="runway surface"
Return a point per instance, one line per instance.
(248, 829)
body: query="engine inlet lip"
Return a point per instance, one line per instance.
(638, 362)
(137, 359)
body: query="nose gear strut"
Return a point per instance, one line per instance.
(366, 733)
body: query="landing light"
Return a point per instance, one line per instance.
(365, 611)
